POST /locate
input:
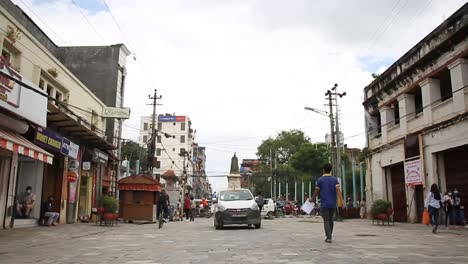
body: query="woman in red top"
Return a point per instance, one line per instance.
(187, 204)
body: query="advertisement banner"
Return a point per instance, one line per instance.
(48, 139)
(172, 118)
(99, 156)
(413, 172)
(69, 148)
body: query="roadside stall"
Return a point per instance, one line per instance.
(138, 197)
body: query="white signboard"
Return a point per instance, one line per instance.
(86, 165)
(116, 112)
(307, 207)
(20, 100)
(413, 172)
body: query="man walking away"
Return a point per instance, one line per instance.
(163, 205)
(260, 201)
(328, 188)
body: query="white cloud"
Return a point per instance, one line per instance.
(243, 69)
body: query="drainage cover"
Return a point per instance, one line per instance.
(365, 235)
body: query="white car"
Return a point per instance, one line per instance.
(269, 207)
(236, 207)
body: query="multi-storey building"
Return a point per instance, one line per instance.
(52, 133)
(174, 141)
(416, 116)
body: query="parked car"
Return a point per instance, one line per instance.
(269, 207)
(236, 207)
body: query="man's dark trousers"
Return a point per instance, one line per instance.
(327, 215)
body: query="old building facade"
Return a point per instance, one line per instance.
(416, 118)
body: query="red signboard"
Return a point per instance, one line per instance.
(180, 118)
(72, 176)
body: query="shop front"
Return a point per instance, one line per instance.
(23, 106)
(60, 177)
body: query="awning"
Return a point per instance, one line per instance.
(139, 183)
(20, 145)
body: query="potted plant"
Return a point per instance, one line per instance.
(110, 206)
(381, 209)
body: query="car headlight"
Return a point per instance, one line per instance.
(220, 208)
(254, 206)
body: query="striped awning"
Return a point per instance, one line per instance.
(20, 145)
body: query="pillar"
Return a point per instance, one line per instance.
(407, 107)
(459, 78)
(387, 119)
(430, 90)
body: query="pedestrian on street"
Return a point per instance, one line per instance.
(260, 201)
(362, 211)
(328, 188)
(193, 209)
(187, 206)
(448, 208)
(433, 203)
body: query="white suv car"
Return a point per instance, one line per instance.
(236, 207)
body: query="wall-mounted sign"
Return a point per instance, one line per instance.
(73, 165)
(99, 156)
(413, 172)
(86, 165)
(72, 176)
(69, 148)
(116, 112)
(48, 139)
(51, 141)
(166, 118)
(20, 101)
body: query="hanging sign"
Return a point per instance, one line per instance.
(72, 176)
(116, 112)
(73, 165)
(86, 165)
(413, 172)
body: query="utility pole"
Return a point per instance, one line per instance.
(152, 147)
(332, 131)
(271, 179)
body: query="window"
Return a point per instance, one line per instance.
(182, 139)
(182, 126)
(6, 55)
(445, 85)
(379, 124)
(145, 138)
(418, 106)
(159, 139)
(396, 112)
(173, 162)
(41, 84)
(11, 54)
(173, 136)
(174, 124)
(173, 149)
(182, 150)
(158, 152)
(58, 97)
(159, 126)
(145, 126)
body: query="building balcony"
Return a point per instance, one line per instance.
(394, 133)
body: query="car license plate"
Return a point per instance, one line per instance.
(238, 215)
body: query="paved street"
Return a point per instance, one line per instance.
(286, 240)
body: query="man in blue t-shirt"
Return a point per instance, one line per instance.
(328, 188)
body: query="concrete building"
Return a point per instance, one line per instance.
(179, 139)
(55, 144)
(416, 117)
(146, 127)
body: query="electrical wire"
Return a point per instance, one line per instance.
(87, 21)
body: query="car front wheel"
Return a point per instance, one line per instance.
(257, 226)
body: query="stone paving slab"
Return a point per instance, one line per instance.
(284, 240)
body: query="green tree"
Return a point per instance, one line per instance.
(283, 146)
(132, 151)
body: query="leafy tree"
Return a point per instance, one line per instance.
(132, 151)
(284, 145)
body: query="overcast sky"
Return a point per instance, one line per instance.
(244, 70)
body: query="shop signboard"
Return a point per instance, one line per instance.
(19, 100)
(48, 139)
(86, 166)
(69, 148)
(166, 118)
(52, 141)
(99, 156)
(72, 176)
(413, 172)
(116, 112)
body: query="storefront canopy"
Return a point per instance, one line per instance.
(139, 183)
(20, 145)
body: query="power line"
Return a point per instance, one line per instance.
(89, 22)
(50, 28)
(118, 26)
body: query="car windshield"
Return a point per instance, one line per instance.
(235, 195)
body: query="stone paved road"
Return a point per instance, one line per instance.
(286, 240)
